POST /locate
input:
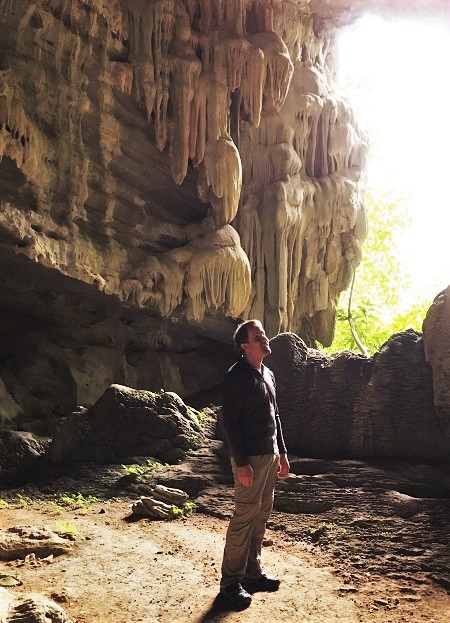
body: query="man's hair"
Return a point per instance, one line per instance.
(240, 336)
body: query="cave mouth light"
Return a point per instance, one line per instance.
(395, 74)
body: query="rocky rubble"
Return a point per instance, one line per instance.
(161, 503)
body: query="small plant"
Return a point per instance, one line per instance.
(4, 504)
(149, 466)
(73, 501)
(324, 531)
(176, 511)
(200, 415)
(65, 528)
(56, 508)
(187, 509)
(23, 503)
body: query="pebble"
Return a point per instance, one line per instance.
(381, 602)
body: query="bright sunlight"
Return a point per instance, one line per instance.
(395, 74)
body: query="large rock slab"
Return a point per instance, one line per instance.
(353, 406)
(127, 422)
(394, 415)
(436, 336)
(20, 452)
(31, 608)
(316, 395)
(17, 543)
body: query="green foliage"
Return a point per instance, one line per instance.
(4, 504)
(73, 501)
(383, 302)
(23, 502)
(149, 466)
(176, 511)
(188, 509)
(65, 528)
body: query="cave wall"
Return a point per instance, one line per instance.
(183, 163)
(394, 405)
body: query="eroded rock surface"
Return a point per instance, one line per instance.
(30, 608)
(20, 453)
(352, 406)
(125, 422)
(19, 542)
(436, 336)
(193, 160)
(169, 166)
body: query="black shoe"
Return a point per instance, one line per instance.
(265, 582)
(236, 596)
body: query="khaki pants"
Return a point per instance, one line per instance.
(253, 505)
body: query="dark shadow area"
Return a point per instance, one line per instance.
(218, 611)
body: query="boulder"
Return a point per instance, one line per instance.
(31, 608)
(20, 451)
(127, 422)
(436, 337)
(349, 405)
(17, 543)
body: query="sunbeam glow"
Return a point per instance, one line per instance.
(396, 75)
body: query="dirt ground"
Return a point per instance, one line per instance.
(129, 571)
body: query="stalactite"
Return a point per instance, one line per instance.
(218, 275)
(158, 282)
(223, 174)
(239, 89)
(279, 67)
(252, 85)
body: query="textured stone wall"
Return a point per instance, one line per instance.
(436, 335)
(379, 407)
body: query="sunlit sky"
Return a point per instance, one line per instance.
(396, 74)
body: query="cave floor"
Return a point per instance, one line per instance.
(346, 552)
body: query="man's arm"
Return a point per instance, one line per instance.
(245, 475)
(232, 395)
(284, 466)
(284, 462)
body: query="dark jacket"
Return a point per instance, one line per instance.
(250, 413)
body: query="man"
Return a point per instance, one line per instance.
(258, 455)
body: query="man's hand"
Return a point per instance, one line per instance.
(284, 466)
(245, 475)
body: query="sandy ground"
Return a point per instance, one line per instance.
(123, 571)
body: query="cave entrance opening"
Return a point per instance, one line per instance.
(394, 73)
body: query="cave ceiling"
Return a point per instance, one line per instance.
(189, 160)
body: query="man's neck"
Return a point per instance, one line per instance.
(255, 363)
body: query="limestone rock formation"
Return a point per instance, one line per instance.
(186, 157)
(126, 422)
(20, 453)
(352, 406)
(161, 503)
(166, 167)
(22, 541)
(31, 608)
(316, 395)
(436, 336)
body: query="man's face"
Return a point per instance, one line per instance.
(257, 344)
